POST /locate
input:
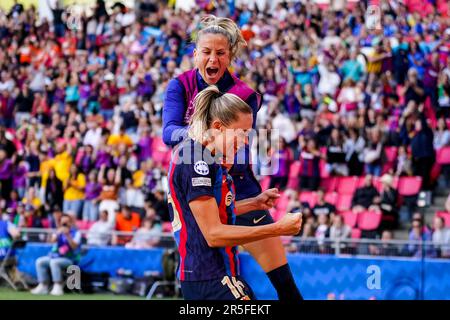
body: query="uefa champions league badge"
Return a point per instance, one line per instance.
(373, 18)
(201, 167)
(73, 18)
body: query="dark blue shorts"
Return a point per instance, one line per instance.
(227, 288)
(254, 218)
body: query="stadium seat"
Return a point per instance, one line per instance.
(331, 197)
(409, 186)
(346, 185)
(350, 218)
(294, 175)
(356, 233)
(443, 156)
(282, 202)
(344, 202)
(160, 152)
(446, 216)
(167, 227)
(328, 184)
(322, 168)
(309, 197)
(369, 220)
(391, 153)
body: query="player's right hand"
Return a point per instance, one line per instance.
(290, 224)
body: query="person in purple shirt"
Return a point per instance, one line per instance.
(20, 178)
(218, 42)
(145, 145)
(6, 175)
(92, 192)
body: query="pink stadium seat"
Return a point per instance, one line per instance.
(45, 223)
(331, 197)
(328, 184)
(350, 218)
(282, 202)
(82, 225)
(276, 214)
(446, 216)
(160, 152)
(443, 156)
(356, 233)
(344, 202)
(409, 186)
(323, 171)
(369, 220)
(346, 185)
(294, 175)
(308, 196)
(391, 153)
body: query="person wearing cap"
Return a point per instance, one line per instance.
(388, 204)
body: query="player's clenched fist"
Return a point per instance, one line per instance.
(290, 224)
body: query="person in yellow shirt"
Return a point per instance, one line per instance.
(62, 161)
(31, 199)
(120, 138)
(74, 188)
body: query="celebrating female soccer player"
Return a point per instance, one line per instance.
(218, 42)
(202, 200)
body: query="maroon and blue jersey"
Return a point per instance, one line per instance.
(194, 172)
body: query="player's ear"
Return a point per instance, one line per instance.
(217, 125)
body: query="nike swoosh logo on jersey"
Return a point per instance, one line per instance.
(255, 221)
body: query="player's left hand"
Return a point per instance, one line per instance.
(266, 200)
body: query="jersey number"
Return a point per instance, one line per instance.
(236, 287)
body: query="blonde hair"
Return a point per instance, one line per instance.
(211, 24)
(211, 104)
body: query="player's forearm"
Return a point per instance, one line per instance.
(231, 235)
(245, 205)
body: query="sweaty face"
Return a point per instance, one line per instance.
(212, 57)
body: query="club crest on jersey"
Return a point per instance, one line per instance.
(201, 167)
(229, 198)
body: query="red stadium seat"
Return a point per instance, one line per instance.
(446, 216)
(443, 156)
(309, 197)
(369, 220)
(344, 202)
(356, 233)
(409, 186)
(328, 184)
(331, 197)
(346, 185)
(350, 218)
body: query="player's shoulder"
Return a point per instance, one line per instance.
(193, 158)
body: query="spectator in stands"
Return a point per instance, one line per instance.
(418, 233)
(422, 151)
(336, 164)
(339, 231)
(323, 207)
(92, 193)
(386, 248)
(281, 159)
(65, 252)
(388, 203)
(146, 236)
(310, 173)
(404, 163)
(306, 242)
(322, 231)
(441, 238)
(110, 191)
(373, 153)
(74, 194)
(6, 175)
(366, 197)
(31, 199)
(441, 135)
(100, 232)
(126, 221)
(354, 146)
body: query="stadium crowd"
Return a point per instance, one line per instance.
(80, 111)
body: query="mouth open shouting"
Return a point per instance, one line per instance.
(212, 73)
